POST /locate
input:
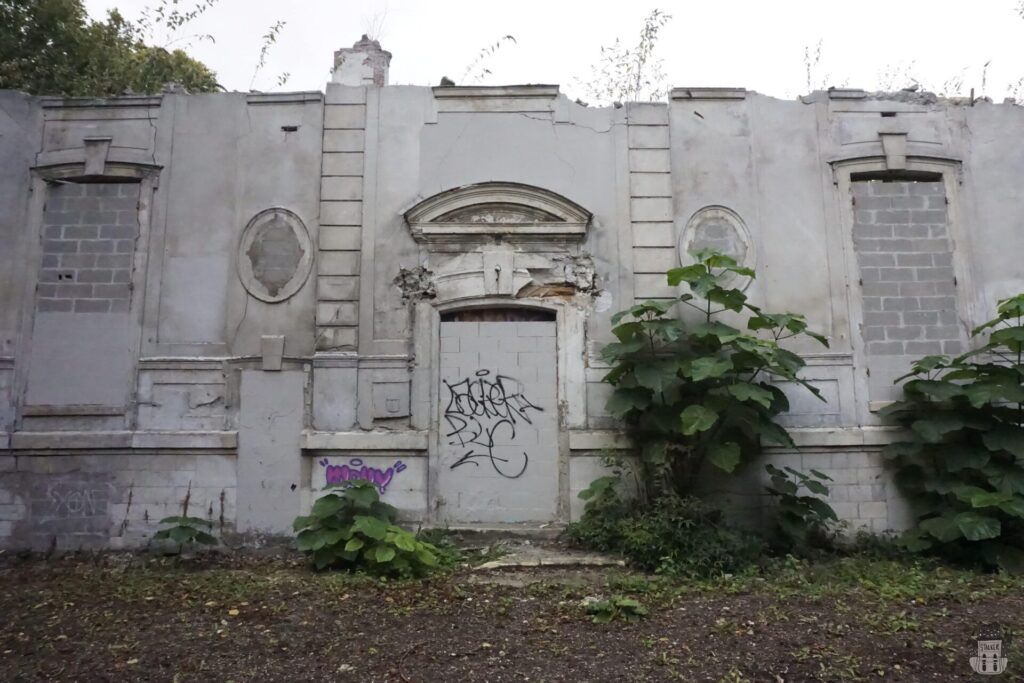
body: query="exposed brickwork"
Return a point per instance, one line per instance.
(905, 256)
(89, 233)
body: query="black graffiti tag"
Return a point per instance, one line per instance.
(481, 408)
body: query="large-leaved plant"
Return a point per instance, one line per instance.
(962, 465)
(702, 391)
(353, 529)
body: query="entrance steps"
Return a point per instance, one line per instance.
(526, 546)
(490, 534)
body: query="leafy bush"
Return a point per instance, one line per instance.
(448, 552)
(614, 608)
(604, 511)
(700, 392)
(672, 535)
(962, 465)
(354, 530)
(803, 520)
(185, 530)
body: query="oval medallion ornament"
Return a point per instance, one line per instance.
(721, 229)
(275, 255)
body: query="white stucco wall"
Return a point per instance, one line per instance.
(362, 353)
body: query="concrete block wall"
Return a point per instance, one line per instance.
(76, 502)
(89, 233)
(861, 492)
(907, 281)
(497, 381)
(401, 480)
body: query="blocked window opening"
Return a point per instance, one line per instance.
(88, 246)
(905, 259)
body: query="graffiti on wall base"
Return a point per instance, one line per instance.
(481, 408)
(355, 470)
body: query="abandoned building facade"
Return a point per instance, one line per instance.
(240, 298)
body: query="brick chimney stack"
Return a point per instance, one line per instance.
(365, 63)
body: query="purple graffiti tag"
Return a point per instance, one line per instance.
(355, 470)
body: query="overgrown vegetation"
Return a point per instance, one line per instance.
(695, 392)
(355, 530)
(51, 47)
(701, 391)
(615, 608)
(673, 535)
(185, 530)
(804, 520)
(630, 74)
(961, 466)
(477, 70)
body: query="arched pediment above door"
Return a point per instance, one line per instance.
(497, 211)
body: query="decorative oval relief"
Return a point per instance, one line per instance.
(275, 255)
(719, 228)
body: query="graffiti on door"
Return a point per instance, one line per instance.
(483, 408)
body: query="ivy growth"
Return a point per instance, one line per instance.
(963, 464)
(696, 391)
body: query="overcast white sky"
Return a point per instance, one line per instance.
(754, 44)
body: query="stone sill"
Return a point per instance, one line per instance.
(50, 102)
(364, 441)
(708, 93)
(73, 441)
(493, 91)
(830, 437)
(298, 96)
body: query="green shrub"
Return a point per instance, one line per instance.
(963, 465)
(614, 608)
(687, 536)
(186, 530)
(448, 553)
(696, 392)
(672, 535)
(804, 521)
(354, 530)
(603, 513)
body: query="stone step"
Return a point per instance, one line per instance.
(491, 534)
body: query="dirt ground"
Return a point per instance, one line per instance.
(244, 618)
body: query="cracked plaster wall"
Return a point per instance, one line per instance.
(643, 171)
